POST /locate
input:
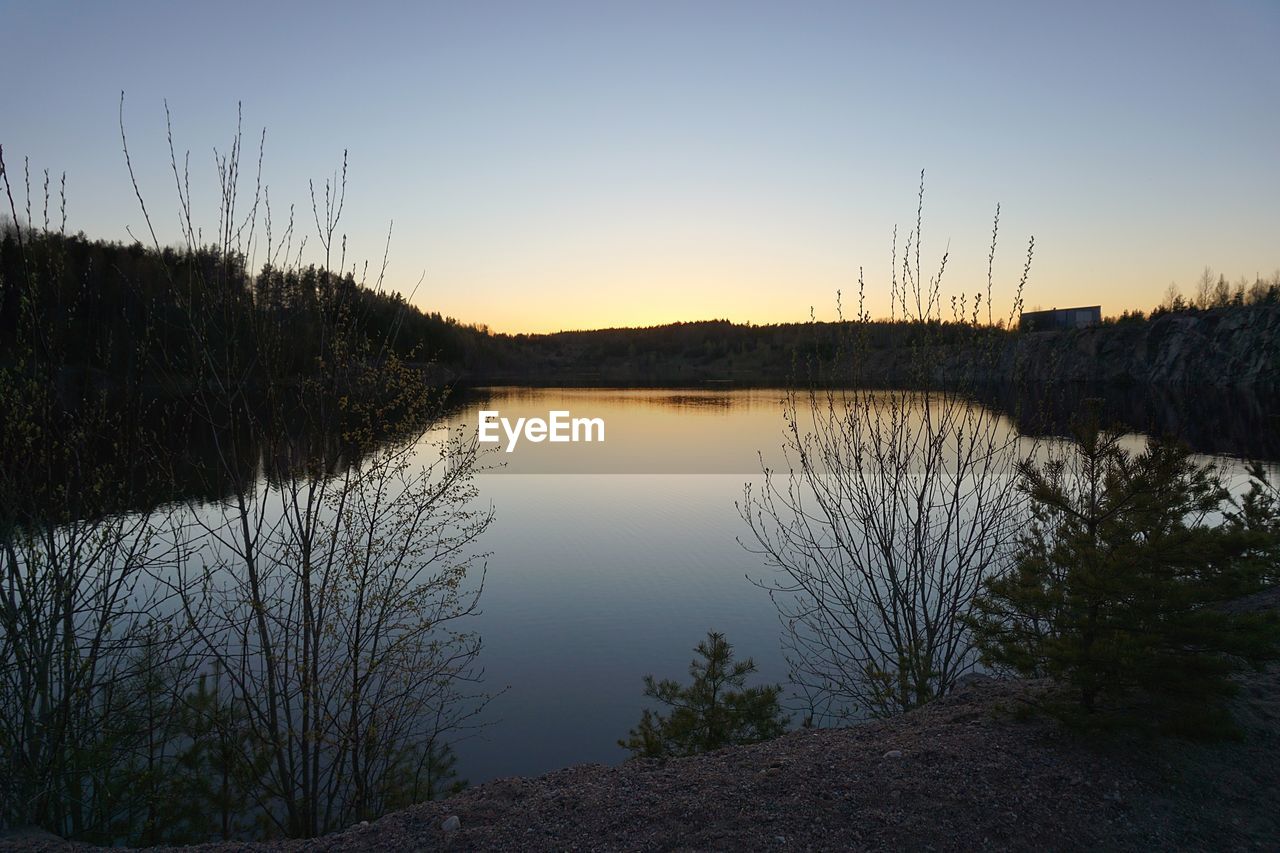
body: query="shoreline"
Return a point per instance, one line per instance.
(977, 769)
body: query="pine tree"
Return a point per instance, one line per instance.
(422, 773)
(714, 711)
(1115, 589)
(1260, 512)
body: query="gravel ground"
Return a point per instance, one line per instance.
(973, 771)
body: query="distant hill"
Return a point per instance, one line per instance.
(114, 310)
(1228, 346)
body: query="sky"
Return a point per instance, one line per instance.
(549, 165)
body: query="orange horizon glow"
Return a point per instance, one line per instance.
(577, 166)
(605, 314)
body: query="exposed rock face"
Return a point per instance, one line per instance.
(1223, 347)
(1236, 347)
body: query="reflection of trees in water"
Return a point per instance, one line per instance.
(136, 664)
(241, 608)
(701, 402)
(146, 452)
(1216, 421)
(715, 396)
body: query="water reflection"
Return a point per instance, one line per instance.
(595, 581)
(118, 453)
(702, 431)
(160, 451)
(1213, 421)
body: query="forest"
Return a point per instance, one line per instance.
(118, 311)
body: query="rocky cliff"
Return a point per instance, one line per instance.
(1236, 346)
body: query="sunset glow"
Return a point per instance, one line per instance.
(574, 165)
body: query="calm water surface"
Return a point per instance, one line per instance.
(612, 561)
(601, 572)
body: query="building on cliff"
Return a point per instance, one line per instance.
(1061, 318)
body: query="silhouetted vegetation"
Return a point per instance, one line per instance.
(706, 351)
(1212, 293)
(120, 309)
(118, 313)
(893, 505)
(123, 311)
(237, 576)
(716, 709)
(236, 598)
(1120, 583)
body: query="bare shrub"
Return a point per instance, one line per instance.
(895, 502)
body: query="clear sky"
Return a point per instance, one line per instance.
(573, 165)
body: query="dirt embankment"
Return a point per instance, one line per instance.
(977, 770)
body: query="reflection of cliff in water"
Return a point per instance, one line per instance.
(122, 455)
(1218, 421)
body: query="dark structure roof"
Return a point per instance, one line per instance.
(1061, 318)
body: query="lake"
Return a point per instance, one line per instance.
(606, 560)
(612, 560)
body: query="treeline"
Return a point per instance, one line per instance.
(120, 313)
(129, 311)
(880, 352)
(1211, 293)
(125, 311)
(716, 350)
(239, 568)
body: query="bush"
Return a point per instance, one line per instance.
(896, 497)
(1115, 585)
(714, 711)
